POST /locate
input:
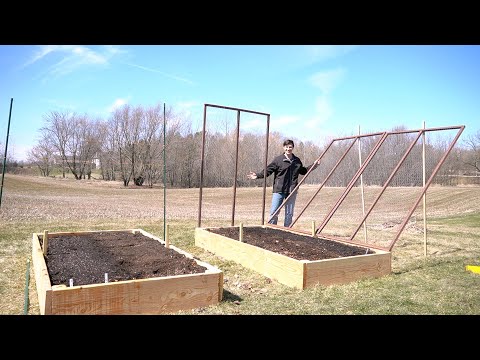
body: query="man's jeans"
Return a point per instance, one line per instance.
(277, 199)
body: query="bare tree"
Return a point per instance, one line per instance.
(107, 154)
(471, 157)
(74, 138)
(7, 161)
(42, 155)
(152, 149)
(121, 128)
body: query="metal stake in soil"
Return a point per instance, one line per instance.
(27, 281)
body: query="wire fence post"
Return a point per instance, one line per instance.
(5, 153)
(164, 177)
(424, 195)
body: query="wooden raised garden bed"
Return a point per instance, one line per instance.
(298, 273)
(152, 295)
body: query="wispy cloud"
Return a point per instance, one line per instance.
(284, 122)
(317, 53)
(41, 52)
(71, 108)
(61, 105)
(254, 124)
(189, 108)
(323, 112)
(186, 105)
(174, 77)
(73, 57)
(116, 104)
(326, 81)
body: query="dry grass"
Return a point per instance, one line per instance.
(34, 204)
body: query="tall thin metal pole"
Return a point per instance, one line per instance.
(202, 160)
(164, 177)
(27, 282)
(424, 194)
(236, 169)
(265, 163)
(5, 153)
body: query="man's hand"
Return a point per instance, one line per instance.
(251, 175)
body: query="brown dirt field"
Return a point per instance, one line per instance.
(87, 199)
(112, 204)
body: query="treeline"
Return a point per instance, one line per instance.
(135, 146)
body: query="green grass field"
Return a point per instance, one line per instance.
(435, 284)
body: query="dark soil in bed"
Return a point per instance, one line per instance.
(296, 246)
(88, 257)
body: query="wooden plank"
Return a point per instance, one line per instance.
(45, 242)
(143, 296)
(42, 279)
(282, 268)
(347, 269)
(75, 233)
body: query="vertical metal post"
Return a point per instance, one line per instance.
(167, 237)
(164, 176)
(236, 169)
(5, 153)
(265, 170)
(202, 166)
(424, 194)
(27, 282)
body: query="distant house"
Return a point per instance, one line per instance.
(58, 160)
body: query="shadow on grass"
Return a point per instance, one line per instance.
(230, 297)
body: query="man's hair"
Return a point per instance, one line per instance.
(288, 142)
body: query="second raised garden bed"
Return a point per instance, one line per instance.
(271, 251)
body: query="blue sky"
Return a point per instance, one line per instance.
(311, 92)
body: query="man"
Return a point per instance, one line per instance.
(286, 169)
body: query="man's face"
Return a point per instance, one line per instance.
(288, 148)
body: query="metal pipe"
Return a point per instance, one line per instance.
(202, 157)
(236, 170)
(5, 153)
(430, 179)
(324, 181)
(239, 109)
(424, 179)
(164, 176)
(27, 282)
(352, 182)
(238, 135)
(394, 171)
(265, 170)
